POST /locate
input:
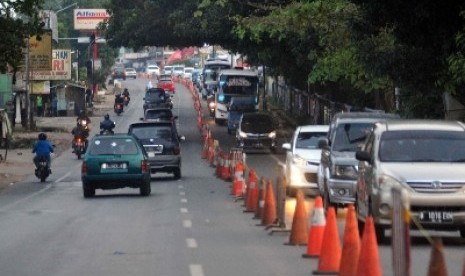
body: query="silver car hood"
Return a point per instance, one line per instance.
(344, 157)
(309, 154)
(409, 172)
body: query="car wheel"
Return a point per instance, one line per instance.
(361, 226)
(87, 190)
(291, 192)
(177, 173)
(380, 234)
(326, 201)
(145, 188)
(462, 232)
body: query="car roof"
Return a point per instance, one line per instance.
(236, 72)
(422, 124)
(313, 128)
(150, 124)
(113, 136)
(155, 89)
(355, 115)
(255, 114)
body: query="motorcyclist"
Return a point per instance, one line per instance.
(82, 117)
(42, 148)
(119, 99)
(107, 124)
(79, 131)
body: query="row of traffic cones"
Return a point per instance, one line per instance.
(354, 257)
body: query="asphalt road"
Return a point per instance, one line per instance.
(191, 226)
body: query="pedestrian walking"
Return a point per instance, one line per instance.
(39, 105)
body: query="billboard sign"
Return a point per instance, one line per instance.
(40, 52)
(88, 19)
(61, 67)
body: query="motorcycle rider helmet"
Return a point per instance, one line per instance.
(106, 116)
(42, 136)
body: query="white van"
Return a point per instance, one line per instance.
(152, 70)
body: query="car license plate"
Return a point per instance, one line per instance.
(110, 166)
(436, 216)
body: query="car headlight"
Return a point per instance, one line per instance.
(242, 134)
(387, 182)
(298, 160)
(211, 105)
(272, 134)
(345, 171)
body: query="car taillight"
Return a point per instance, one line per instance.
(177, 150)
(84, 168)
(144, 166)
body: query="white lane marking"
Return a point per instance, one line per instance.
(63, 177)
(184, 200)
(187, 223)
(196, 270)
(184, 210)
(182, 193)
(191, 243)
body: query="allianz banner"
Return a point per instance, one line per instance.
(61, 67)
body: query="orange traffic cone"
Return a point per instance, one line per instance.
(238, 183)
(351, 245)
(437, 264)
(269, 210)
(330, 255)
(368, 261)
(299, 230)
(317, 229)
(252, 192)
(261, 199)
(225, 170)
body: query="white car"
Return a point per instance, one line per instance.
(130, 73)
(303, 158)
(152, 70)
(188, 73)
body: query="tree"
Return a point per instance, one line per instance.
(19, 20)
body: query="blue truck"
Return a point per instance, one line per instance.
(238, 106)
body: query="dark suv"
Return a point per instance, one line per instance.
(256, 131)
(162, 144)
(157, 97)
(337, 172)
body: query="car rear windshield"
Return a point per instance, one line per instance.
(422, 146)
(113, 146)
(157, 95)
(158, 114)
(309, 140)
(152, 132)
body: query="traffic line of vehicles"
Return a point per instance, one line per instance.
(148, 147)
(362, 156)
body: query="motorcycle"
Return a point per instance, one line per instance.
(211, 105)
(43, 170)
(126, 100)
(119, 108)
(79, 146)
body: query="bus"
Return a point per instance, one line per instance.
(234, 83)
(210, 72)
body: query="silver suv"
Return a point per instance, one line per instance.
(423, 157)
(337, 172)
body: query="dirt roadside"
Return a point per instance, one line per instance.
(16, 163)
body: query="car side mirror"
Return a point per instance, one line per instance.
(286, 146)
(323, 144)
(363, 156)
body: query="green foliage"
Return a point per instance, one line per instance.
(350, 50)
(19, 19)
